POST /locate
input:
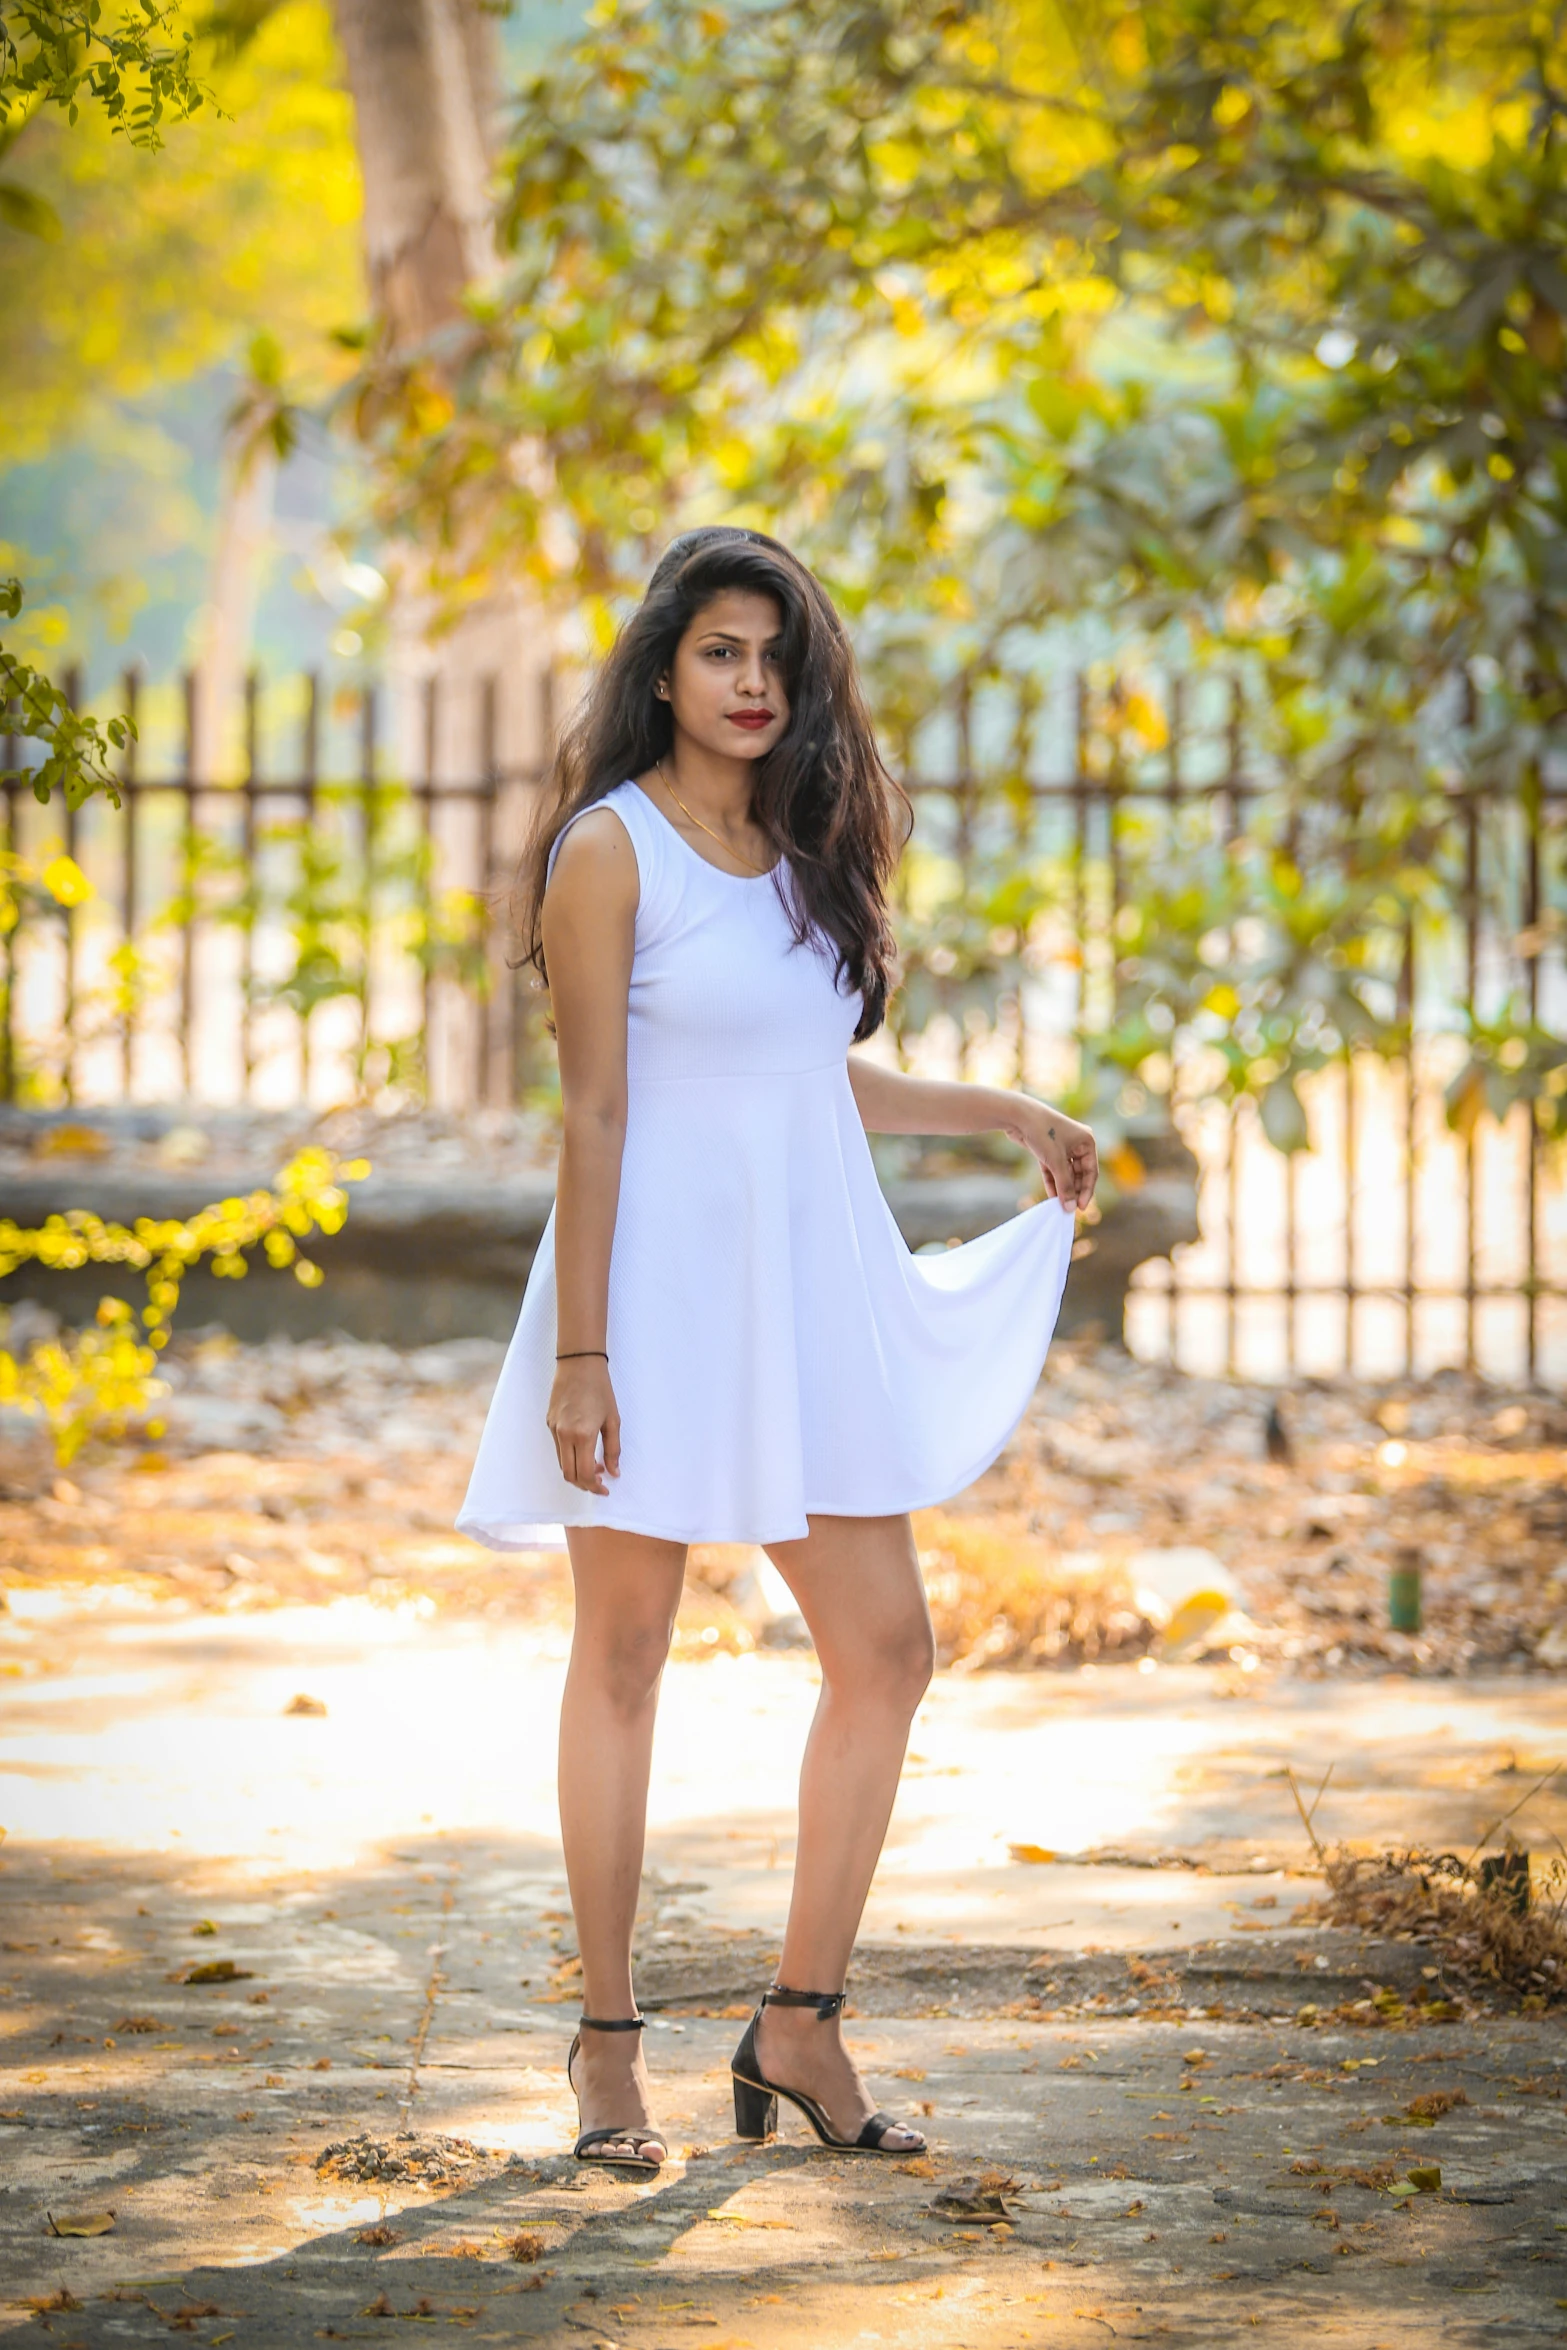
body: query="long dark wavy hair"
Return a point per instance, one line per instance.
(822, 795)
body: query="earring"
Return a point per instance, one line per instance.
(662, 692)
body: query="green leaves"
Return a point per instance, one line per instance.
(76, 749)
(132, 63)
(1228, 332)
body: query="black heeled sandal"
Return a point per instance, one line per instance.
(591, 2138)
(756, 2097)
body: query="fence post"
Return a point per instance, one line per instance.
(73, 696)
(368, 731)
(130, 788)
(1406, 999)
(1531, 922)
(188, 879)
(12, 851)
(424, 796)
(309, 776)
(252, 887)
(1471, 921)
(965, 827)
(484, 1009)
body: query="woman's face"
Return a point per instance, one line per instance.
(726, 687)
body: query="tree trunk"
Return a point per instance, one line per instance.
(423, 82)
(422, 74)
(244, 530)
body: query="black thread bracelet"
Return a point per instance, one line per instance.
(577, 1354)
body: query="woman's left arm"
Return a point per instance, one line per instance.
(891, 1103)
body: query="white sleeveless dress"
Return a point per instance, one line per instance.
(775, 1348)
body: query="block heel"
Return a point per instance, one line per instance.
(756, 2110)
(756, 2097)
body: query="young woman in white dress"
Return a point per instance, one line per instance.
(724, 1337)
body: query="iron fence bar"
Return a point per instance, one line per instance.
(1471, 922)
(424, 798)
(1175, 790)
(1025, 742)
(1447, 1292)
(529, 781)
(1291, 1258)
(484, 1040)
(1411, 1140)
(1351, 1164)
(188, 879)
(1531, 923)
(368, 732)
(72, 688)
(1175, 721)
(964, 839)
(1232, 1249)
(13, 851)
(130, 692)
(251, 884)
(1112, 798)
(1079, 791)
(1227, 812)
(309, 780)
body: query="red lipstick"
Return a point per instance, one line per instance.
(753, 719)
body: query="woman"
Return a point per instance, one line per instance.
(724, 1337)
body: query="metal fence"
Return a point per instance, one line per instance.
(318, 928)
(313, 929)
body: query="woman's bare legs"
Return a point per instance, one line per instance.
(858, 1584)
(627, 1589)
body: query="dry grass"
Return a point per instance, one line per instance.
(1482, 1938)
(1001, 1599)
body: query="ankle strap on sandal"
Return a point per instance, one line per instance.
(613, 2023)
(826, 2003)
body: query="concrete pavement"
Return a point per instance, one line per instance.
(1114, 2033)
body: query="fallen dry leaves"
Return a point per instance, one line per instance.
(331, 1469)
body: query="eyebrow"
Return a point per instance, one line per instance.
(723, 636)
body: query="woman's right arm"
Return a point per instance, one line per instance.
(589, 926)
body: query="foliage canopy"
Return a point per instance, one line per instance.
(1236, 328)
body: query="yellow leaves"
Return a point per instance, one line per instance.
(66, 883)
(71, 1141)
(100, 1379)
(1128, 47)
(1127, 1169)
(1231, 106)
(245, 217)
(1035, 1854)
(81, 2223)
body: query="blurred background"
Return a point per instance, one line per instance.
(1172, 399)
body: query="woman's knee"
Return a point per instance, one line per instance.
(623, 1657)
(892, 1669)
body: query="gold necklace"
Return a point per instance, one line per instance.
(658, 769)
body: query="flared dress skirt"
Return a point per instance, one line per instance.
(776, 1350)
